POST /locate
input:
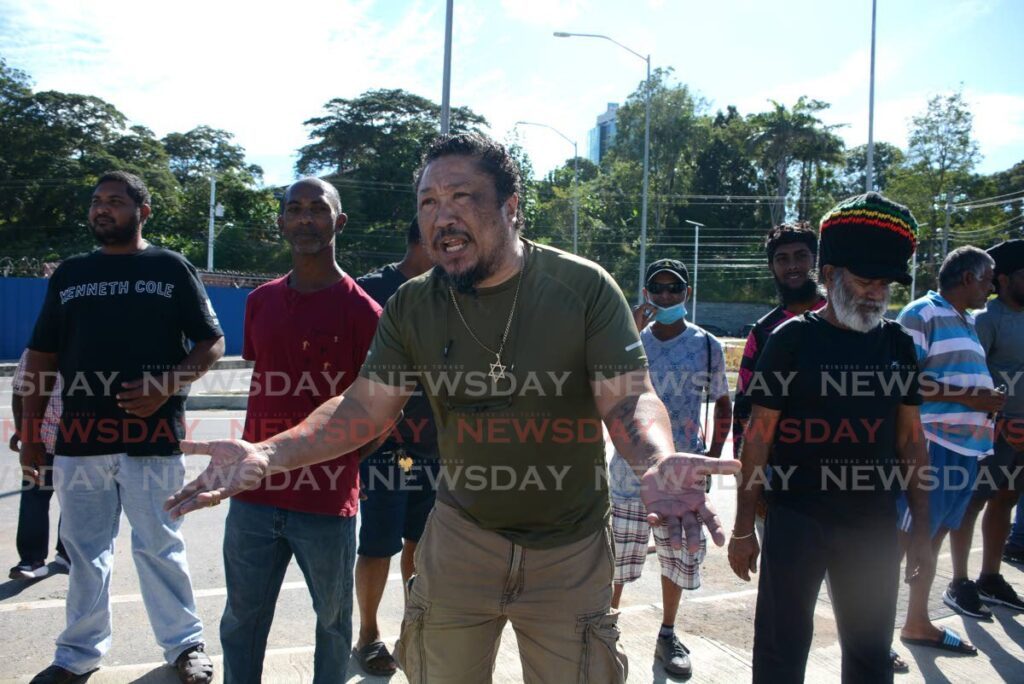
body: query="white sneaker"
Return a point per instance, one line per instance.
(27, 571)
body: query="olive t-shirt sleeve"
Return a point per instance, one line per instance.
(613, 342)
(775, 368)
(388, 360)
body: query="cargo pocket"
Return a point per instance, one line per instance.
(410, 651)
(603, 660)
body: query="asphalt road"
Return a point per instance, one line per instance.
(716, 621)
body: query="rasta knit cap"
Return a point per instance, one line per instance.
(869, 235)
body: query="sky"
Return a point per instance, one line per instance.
(259, 70)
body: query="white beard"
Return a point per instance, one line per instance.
(861, 315)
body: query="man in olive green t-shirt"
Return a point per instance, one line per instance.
(524, 352)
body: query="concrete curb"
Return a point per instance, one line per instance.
(211, 402)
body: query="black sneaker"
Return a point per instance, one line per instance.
(61, 564)
(58, 675)
(28, 571)
(995, 589)
(674, 657)
(1014, 554)
(962, 596)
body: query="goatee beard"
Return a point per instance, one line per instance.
(116, 235)
(465, 282)
(808, 292)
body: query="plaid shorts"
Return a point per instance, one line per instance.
(630, 532)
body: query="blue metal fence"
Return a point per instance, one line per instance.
(22, 298)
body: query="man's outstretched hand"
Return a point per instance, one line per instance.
(235, 466)
(674, 494)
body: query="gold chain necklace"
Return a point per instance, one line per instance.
(497, 371)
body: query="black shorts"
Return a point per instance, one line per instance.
(1001, 471)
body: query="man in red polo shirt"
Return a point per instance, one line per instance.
(308, 333)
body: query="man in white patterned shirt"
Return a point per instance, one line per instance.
(34, 507)
(687, 367)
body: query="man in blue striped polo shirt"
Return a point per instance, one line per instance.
(959, 396)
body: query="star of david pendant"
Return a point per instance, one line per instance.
(497, 369)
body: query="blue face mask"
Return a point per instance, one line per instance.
(671, 314)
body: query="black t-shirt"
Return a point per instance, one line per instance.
(112, 318)
(839, 392)
(417, 429)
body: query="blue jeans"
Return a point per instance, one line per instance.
(259, 542)
(1017, 531)
(92, 491)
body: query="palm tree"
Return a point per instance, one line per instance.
(783, 136)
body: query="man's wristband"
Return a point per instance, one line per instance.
(744, 536)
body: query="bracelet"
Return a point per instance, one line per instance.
(745, 536)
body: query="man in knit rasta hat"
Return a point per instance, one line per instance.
(835, 416)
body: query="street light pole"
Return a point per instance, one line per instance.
(696, 250)
(575, 180)
(869, 173)
(647, 148)
(446, 85)
(643, 209)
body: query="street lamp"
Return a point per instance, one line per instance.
(696, 247)
(647, 148)
(575, 180)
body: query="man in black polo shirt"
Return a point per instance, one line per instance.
(835, 414)
(115, 323)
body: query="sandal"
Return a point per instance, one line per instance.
(950, 641)
(899, 665)
(376, 660)
(194, 666)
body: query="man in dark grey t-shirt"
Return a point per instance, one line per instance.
(1001, 474)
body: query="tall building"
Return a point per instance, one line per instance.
(603, 134)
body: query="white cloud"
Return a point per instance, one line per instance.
(548, 13)
(257, 70)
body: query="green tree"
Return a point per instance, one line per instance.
(783, 137)
(887, 161)
(369, 147)
(941, 154)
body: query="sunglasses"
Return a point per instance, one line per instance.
(674, 288)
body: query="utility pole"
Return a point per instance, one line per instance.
(869, 172)
(213, 212)
(446, 85)
(945, 229)
(696, 250)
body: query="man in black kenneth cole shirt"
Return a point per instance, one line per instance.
(835, 414)
(115, 324)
